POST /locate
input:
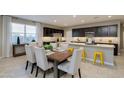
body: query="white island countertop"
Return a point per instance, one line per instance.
(96, 45)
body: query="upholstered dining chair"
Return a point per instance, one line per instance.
(30, 55)
(73, 66)
(42, 61)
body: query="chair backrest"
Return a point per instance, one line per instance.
(40, 44)
(33, 44)
(75, 61)
(54, 45)
(30, 53)
(41, 58)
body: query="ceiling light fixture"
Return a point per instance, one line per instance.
(109, 16)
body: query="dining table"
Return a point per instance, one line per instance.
(57, 58)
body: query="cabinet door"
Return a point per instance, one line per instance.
(48, 32)
(75, 33)
(104, 31)
(44, 31)
(82, 33)
(98, 32)
(113, 31)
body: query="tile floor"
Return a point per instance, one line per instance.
(15, 68)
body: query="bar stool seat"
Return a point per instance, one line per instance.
(100, 54)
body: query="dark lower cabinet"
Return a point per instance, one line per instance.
(116, 49)
(18, 50)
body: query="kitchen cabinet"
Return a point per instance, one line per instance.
(48, 32)
(100, 31)
(76, 33)
(103, 31)
(82, 33)
(112, 31)
(18, 50)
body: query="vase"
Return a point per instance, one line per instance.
(18, 40)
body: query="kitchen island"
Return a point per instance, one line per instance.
(108, 51)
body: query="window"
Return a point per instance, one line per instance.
(30, 33)
(26, 33)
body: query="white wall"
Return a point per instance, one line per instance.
(68, 34)
(0, 35)
(69, 37)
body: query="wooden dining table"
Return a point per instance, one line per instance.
(57, 58)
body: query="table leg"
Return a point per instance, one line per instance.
(55, 69)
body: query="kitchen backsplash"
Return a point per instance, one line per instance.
(52, 39)
(97, 39)
(83, 39)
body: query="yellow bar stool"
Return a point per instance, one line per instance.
(100, 54)
(70, 50)
(84, 55)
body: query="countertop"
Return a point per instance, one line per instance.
(96, 45)
(95, 42)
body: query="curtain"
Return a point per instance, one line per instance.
(39, 32)
(7, 37)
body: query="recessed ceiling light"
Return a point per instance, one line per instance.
(55, 21)
(82, 21)
(74, 16)
(109, 16)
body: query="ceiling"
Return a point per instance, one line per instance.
(70, 20)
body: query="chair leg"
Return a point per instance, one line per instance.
(32, 68)
(72, 76)
(26, 65)
(44, 74)
(79, 73)
(37, 71)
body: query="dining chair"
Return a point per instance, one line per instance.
(73, 66)
(42, 61)
(30, 55)
(33, 44)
